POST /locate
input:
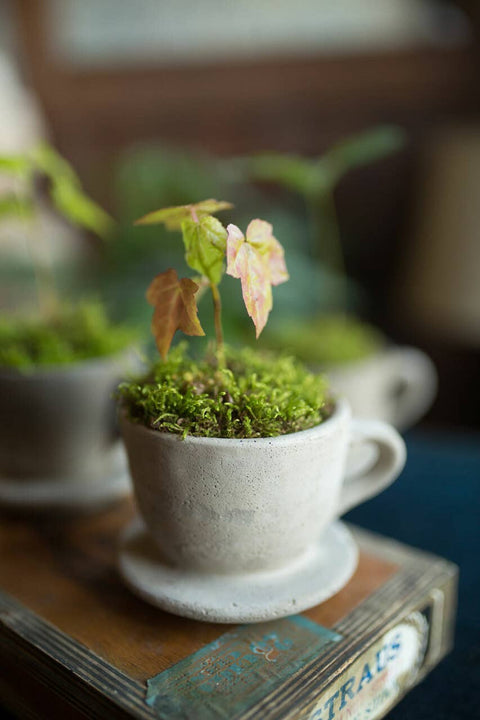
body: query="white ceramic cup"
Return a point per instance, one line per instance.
(397, 385)
(220, 505)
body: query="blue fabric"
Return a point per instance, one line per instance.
(435, 505)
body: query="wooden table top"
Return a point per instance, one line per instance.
(64, 570)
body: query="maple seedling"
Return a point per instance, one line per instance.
(256, 258)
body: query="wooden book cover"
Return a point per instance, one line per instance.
(74, 641)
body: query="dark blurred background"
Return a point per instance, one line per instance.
(154, 101)
(149, 101)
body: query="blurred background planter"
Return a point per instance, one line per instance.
(59, 446)
(397, 385)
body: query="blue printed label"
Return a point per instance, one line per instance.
(234, 672)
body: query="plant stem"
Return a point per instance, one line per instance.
(47, 295)
(217, 315)
(326, 243)
(44, 279)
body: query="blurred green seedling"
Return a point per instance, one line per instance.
(316, 179)
(21, 200)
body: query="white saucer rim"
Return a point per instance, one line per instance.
(40, 494)
(236, 614)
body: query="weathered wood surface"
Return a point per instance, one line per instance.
(75, 642)
(64, 570)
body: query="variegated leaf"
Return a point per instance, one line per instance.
(258, 261)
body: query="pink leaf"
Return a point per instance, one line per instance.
(259, 262)
(259, 234)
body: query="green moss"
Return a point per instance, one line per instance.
(254, 396)
(76, 333)
(327, 340)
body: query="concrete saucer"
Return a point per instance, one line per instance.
(234, 598)
(45, 495)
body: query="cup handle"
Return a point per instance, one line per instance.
(418, 377)
(387, 465)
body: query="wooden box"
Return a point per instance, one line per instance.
(74, 642)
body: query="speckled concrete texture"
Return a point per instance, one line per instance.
(225, 507)
(248, 597)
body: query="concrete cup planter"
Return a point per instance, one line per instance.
(59, 445)
(397, 385)
(238, 530)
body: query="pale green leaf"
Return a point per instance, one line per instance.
(172, 217)
(360, 150)
(205, 244)
(49, 162)
(15, 165)
(290, 171)
(211, 206)
(67, 194)
(312, 177)
(76, 207)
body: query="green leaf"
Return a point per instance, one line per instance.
(314, 177)
(53, 165)
(75, 206)
(173, 217)
(13, 206)
(291, 171)
(360, 150)
(211, 206)
(205, 244)
(16, 165)
(67, 194)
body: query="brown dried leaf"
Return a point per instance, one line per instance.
(175, 308)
